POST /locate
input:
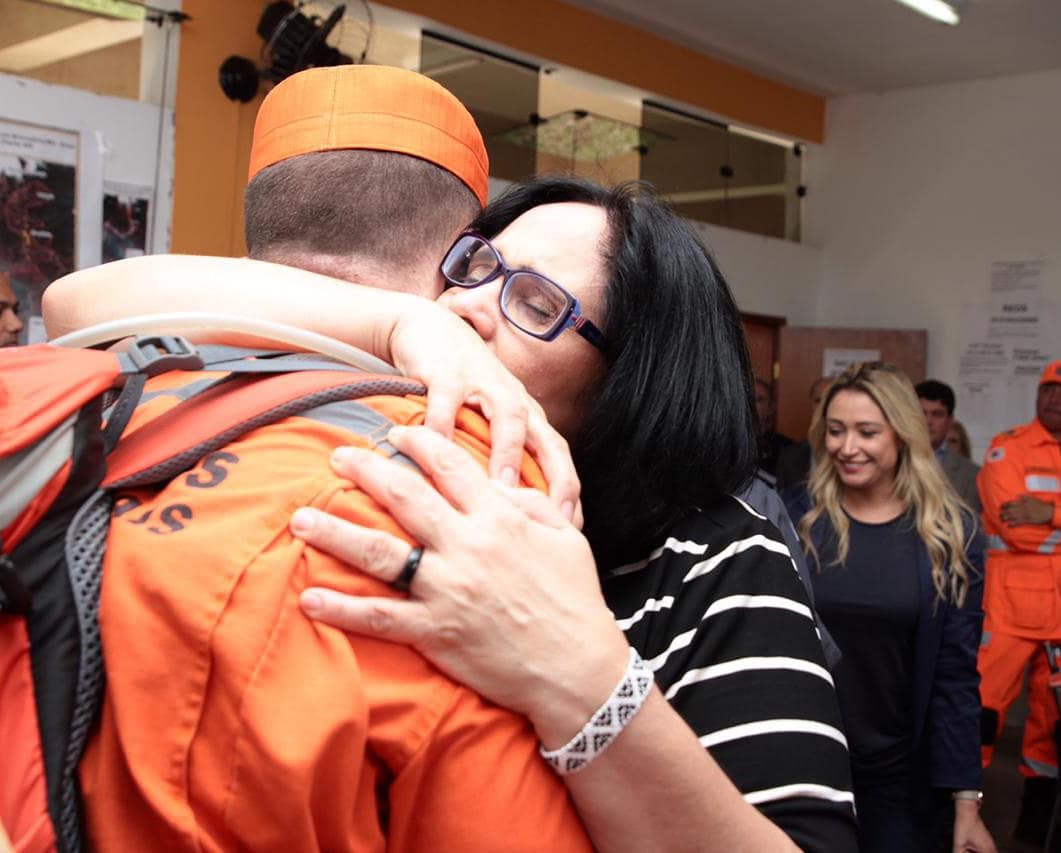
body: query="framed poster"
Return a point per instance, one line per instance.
(38, 198)
(125, 221)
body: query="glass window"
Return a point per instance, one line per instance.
(712, 173)
(500, 93)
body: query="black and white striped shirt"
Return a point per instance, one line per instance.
(720, 615)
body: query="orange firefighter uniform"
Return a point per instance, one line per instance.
(1022, 598)
(233, 722)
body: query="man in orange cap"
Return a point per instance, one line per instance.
(365, 173)
(1020, 487)
(232, 721)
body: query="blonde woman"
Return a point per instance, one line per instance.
(898, 577)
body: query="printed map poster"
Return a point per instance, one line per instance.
(38, 180)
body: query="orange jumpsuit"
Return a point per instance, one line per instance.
(1022, 598)
(233, 722)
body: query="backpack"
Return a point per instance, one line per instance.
(64, 453)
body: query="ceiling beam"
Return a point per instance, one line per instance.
(68, 43)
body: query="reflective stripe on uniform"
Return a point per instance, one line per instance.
(1042, 483)
(361, 420)
(996, 543)
(1039, 768)
(985, 638)
(1050, 543)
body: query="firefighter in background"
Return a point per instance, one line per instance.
(1020, 487)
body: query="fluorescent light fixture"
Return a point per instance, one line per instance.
(762, 137)
(700, 196)
(937, 10)
(451, 67)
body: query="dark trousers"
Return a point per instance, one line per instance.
(892, 820)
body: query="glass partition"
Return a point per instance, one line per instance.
(716, 174)
(501, 93)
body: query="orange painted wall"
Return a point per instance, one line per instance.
(213, 134)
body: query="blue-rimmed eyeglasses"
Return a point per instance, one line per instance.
(529, 301)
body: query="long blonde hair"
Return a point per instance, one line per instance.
(919, 481)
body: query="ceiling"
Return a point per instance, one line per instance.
(839, 47)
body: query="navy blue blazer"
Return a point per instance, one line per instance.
(946, 689)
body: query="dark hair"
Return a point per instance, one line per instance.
(379, 205)
(671, 426)
(937, 392)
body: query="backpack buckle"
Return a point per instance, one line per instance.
(154, 354)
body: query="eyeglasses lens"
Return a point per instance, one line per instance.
(529, 301)
(533, 304)
(470, 262)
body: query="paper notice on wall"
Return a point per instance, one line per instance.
(836, 361)
(22, 144)
(1005, 344)
(1016, 277)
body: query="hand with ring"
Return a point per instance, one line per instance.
(408, 572)
(505, 587)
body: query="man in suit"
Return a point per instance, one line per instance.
(937, 402)
(771, 442)
(794, 461)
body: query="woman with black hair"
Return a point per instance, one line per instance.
(668, 660)
(658, 412)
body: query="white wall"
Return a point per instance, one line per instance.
(917, 191)
(767, 275)
(121, 141)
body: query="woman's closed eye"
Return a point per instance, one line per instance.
(533, 309)
(532, 300)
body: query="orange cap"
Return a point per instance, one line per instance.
(1051, 373)
(370, 106)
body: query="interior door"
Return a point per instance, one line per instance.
(802, 353)
(763, 334)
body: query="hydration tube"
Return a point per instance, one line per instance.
(158, 324)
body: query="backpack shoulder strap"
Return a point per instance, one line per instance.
(174, 441)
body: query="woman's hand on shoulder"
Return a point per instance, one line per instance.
(435, 346)
(506, 598)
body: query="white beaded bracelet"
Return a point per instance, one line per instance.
(607, 721)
